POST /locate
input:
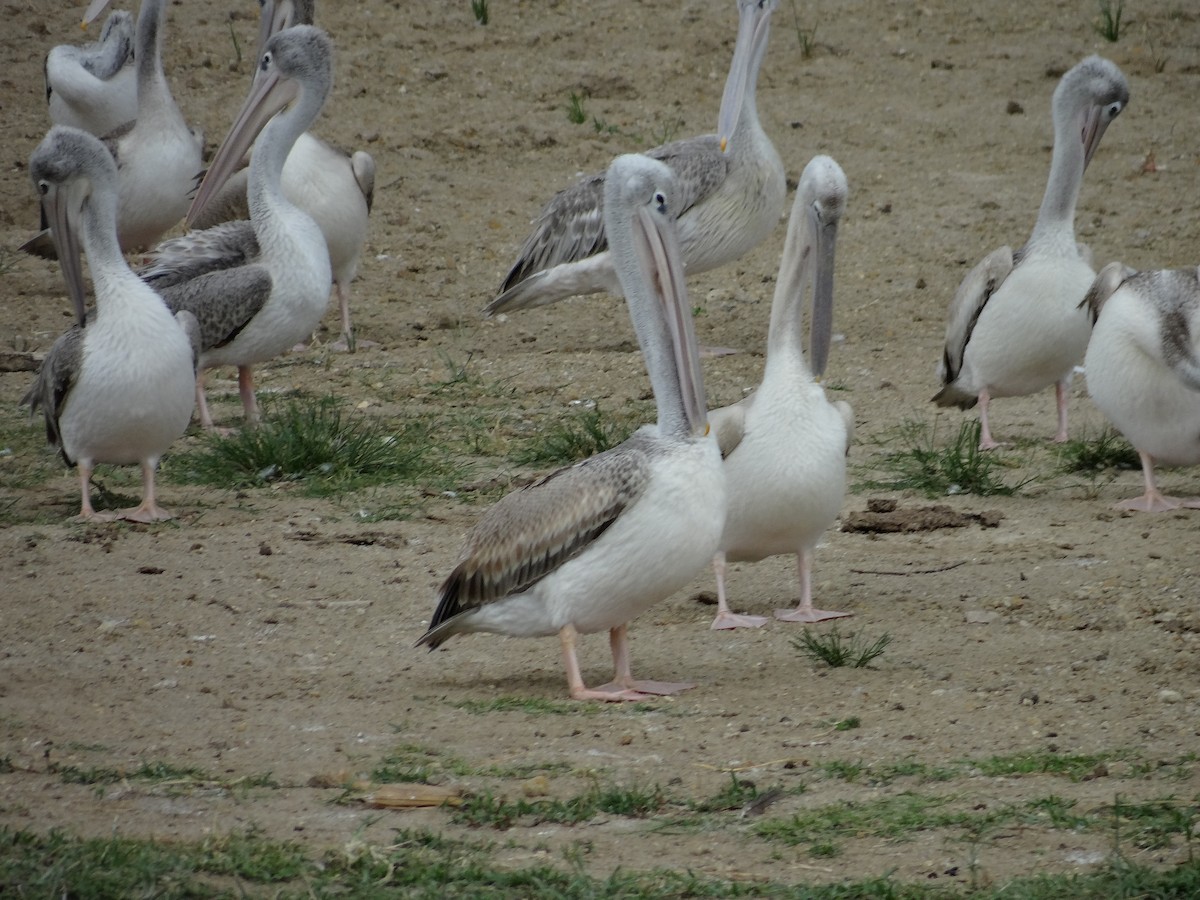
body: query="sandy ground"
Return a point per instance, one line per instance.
(267, 632)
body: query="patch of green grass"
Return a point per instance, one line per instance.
(480, 9)
(1108, 450)
(533, 706)
(1109, 26)
(806, 37)
(848, 724)
(488, 810)
(837, 650)
(583, 433)
(576, 114)
(894, 818)
(1074, 767)
(917, 463)
(314, 442)
(1155, 824)
(8, 260)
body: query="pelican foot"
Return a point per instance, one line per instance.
(609, 693)
(146, 514)
(91, 515)
(733, 620)
(1156, 502)
(661, 688)
(344, 346)
(991, 444)
(809, 615)
(707, 352)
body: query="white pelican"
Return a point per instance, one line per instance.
(158, 156)
(119, 390)
(261, 285)
(785, 444)
(1143, 368)
(94, 87)
(334, 188)
(592, 545)
(731, 194)
(1015, 325)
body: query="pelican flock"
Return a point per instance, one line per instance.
(1143, 369)
(785, 444)
(117, 388)
(1015, 324)
(591, 546)
(335, 189)
(731, 194)
(257, 287)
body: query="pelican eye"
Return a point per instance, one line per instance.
(266, 61)
(1114, 110)
(660, 200)
(43, 187)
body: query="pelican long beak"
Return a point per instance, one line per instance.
(57, 206)
(269, 95)
(657, 247)
(754, 28)
(92, 13)
(821, 321)
(1093, 129)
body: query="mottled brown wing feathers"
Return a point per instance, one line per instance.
(54, 381)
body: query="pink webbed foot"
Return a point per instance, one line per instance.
(1157, 502)
(725, 620)
(809, 616)
(146, 513)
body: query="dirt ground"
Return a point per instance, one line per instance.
(268, 632)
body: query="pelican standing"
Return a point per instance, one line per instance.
(261, 285)
(94, 86)
(158, 156)
(731, 191)
(1015, 323)
(335, 189)
(590, 546)
(1143, 368)
(118, 390)
(785, 444)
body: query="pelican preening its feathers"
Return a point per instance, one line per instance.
(785, 444)
(730, 194)
(94, 87)
(119, 388)
(591, 546)
(1143, 368)
(1015, 324)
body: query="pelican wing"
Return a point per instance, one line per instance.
(229, 205)
(571, 226)
(969, 300)
(1106, 283)
(225, 246)
(729, 424)
(532, 532)
(53, 383)
(362, 164)
(223, 302)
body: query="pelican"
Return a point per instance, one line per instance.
(119, 390)
(1015, 323)
(158, 156)
(785, 444)
(257, 287)
(335, 189)
(94, 87)
(592, 545)
(1143, 370)
(731, 193)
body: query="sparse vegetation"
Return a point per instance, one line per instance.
(1108, 450)
(1109, 26)
(919, 464)
(836, 649)
(480, 10)
(576, 114)
(314, 442)
(805, 37)
(583, 433)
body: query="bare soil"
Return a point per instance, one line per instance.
(270, 632)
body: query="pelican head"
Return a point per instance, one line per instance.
(754, 28)
(276, 15)
(295, 72)
(822, 194)
(640, 223)
(1088, 98)
(72, 172)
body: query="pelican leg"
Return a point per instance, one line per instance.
(86, 512)
(623, 679)
(343, 293)
(246, 390)
(725, 618)
(206, 421)
(1154, 500)
(578, 690)
(805, 611)
(148, 510)
(985, 433)
(1060, 399)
